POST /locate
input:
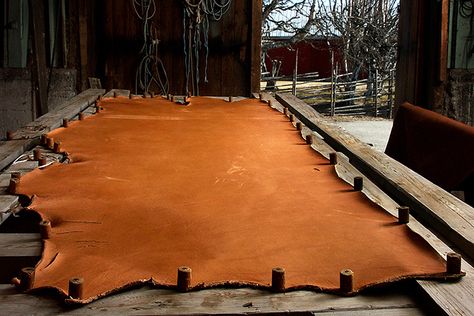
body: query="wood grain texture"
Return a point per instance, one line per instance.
(20, 245)
(446, 214)
(216, 301)
(28, 137)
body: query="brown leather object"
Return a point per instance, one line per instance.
(437, 147)
(230, 190)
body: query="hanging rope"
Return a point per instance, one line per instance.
(196, 17)
(151, 73)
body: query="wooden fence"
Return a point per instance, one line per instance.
(339, 94)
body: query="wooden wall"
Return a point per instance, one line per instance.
(114, 39)
(421, 68)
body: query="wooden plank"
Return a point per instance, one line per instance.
(443, 49)
(213, 301)
(20, 245)
(255, 45)
(39, 55)
(452, 218)
(28, 137)
(8, 203)
(117, 92)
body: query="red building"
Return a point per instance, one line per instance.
(314, 55)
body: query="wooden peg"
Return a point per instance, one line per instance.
(65, 122)
(15, 175)
(184, 279)
(231, 99)
(130, 96)
(144, 96)
(115, 94)
(76, 288)
(269, 102)
(50, 143)
(333, 158)
(9, 135)
(13, 185)
(260, 96)
(42, 162)
(285, 111)
(152, 94)
(168, 96)
(346, 281)
(278, 280)
(358, 183)
(81, 117)
(299, 126)
(292, 118)
(27, 278)
(453, 263)
(97, 108)
(172, 98)
(45, 229)
(403, 214)
(36, 154)
(57, 147)
(309, 139)
(44, 140)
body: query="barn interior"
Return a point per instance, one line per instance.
(150, 163)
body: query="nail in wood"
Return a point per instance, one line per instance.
(346, 280)
(453, 263)
(45, 229)
(358, 183)
(403, 214)
(278, 280)
(184, 279)
(76, 288)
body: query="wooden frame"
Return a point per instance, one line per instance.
(452, 298)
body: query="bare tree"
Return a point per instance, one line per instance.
(367, 29)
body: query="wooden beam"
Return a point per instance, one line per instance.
(255, 45)
(443, 49)
(27, 137)
(450, 217)
(39, 55)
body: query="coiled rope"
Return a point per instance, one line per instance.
(196, 17)
(151, 73)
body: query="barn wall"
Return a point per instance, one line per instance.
(423, 76)
(234, 56)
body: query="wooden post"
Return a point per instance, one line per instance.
(376, 92)
(346, 280)
(76, 288)
(278, 280)
(390, 93)
(403, 214)
(45, 229)
(333, 86)
(39, 56)
(453, 263)
(27, 278)
(184, 279)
